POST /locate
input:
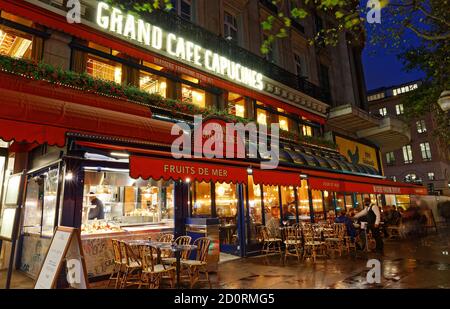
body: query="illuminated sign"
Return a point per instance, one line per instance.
(151, 36)
(358, 153)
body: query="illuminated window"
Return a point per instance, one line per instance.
(230, 27)
(421, 126)
(261, 116)
(303, 202)
(284, 123)
(426, 151)
(272, 207)
(431, 176)
(226, 200)
(104, 69)
(307, 130)
(390, 158)
(411, 177)
(236, 104)
(15, 43)
(399, 109)
(193, 96)
(289, 205)
(201, 198)
(407, 154)
(383, 111)
(153, 83)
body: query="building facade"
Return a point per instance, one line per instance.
(88, 112)
(424, 160)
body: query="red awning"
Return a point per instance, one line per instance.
(325, 184)
(25, 117)
(276, 178)
(157, 168)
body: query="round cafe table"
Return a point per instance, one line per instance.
(175, 248)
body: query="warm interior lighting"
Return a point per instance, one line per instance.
(69, 176)
(120, 154)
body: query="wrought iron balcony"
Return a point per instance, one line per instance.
(229, 49)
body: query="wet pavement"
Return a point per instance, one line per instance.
(413, 263)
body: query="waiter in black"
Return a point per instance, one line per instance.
(97, 212)
(373, 215)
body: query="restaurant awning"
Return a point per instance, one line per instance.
(276, 178)
(31, 118)
(165, 168)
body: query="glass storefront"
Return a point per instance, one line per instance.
(318, 205)
(255, 219)
(349, 201)
(227, 210)
(328, 201)
(113, 200)
(403, 201)
(289, 205)
(303, 202)
(201, 199)
(272, 208)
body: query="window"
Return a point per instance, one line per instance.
(236, 104)
(284, 123)
(324, 77)
(201, 199)
(421, 126)
(183, 8)
(431, 176)
(383, 111)
(307, 130)
(317, 205)
(390, 158)
(407, 154)
(230, 27)
(194, 96)
(405, 89)
(289, 205)
(15, 43)
(226, 208)
(426, 151)
(399, 109)
(300, 65)
(394, 178)
(153, 83)
(303, 201)
(261, 116)
(411, 177)
(375, 97)
(271, 207)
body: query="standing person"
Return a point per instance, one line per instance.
(97, 212)
(373, 215)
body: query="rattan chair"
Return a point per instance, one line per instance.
(194, 268)
(271, 244)
(119, 262)
(293, 242)
(312, 247)
(152, 273)
(132, 266)
(182, 240)
(336, 244)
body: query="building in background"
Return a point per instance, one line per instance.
(424, 160)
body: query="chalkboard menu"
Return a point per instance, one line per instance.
(65, 249)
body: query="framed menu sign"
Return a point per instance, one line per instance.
(65, 249)
(7, 223)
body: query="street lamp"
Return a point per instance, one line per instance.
(444, 101)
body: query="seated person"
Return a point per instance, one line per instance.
(342, 218)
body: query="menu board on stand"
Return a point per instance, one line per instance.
(65, 249)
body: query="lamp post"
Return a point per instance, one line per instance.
(444, 101)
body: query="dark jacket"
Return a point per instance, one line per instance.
(97, 212)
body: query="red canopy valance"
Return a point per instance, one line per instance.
(276, 178)
(157, 168)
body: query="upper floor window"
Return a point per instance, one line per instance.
(407, 154)
(236, 104)
(230, 25)
(261, 116)
(307, 130)
(193, 95)
(405, 89)
(399, 109)
(183, 8)
(375, 97)
(153, 83)
(103, 68)
(431, 176)
(411, 177)
(421, 126)
(300, 65)
(390, 158)
(15, 43)
(283, 121)
(383, 111)
(426, 151)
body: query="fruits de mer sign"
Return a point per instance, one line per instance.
(139, 31)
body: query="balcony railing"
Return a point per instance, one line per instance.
(229, 49)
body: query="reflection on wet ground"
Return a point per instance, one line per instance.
(412, 263)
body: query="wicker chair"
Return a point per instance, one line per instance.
(270, 244)
(182, 240)
(132, 266)
(119, 262)
(293, 242)
(200, 265)
(152, 272)
(336, 244)
(312, 247)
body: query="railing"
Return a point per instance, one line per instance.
(229, 49)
